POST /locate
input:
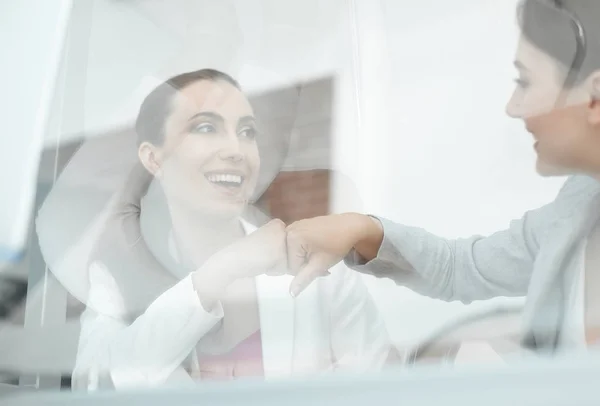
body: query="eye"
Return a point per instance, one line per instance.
(248, 132)
(204, 128)
(522, 83)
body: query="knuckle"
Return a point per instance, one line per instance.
(295, 225)
(291, 236)
(295, 233)
(278, 224)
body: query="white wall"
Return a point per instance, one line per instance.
(427, 142)
(450, 160)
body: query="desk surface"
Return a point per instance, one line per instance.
(563, 382)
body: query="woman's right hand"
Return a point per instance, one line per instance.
(315, 245)
(261, 252)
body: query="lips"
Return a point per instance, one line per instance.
(228, 180)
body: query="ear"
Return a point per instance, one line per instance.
(594, 105)
(151, 157)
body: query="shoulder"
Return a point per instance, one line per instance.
(579, 187)
(573, 199)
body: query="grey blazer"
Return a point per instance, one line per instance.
(535, 257)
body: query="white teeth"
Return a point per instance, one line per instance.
(225, 178)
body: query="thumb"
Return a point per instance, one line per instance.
(274, 223)
(313, 269)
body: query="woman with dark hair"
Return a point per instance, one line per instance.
(192, 291)
(552, 254)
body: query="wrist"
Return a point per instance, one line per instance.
(360, 227)
(210, 282)
(366, 234)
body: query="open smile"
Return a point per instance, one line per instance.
(228, 180)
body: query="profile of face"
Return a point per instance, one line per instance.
(209, 161)
(566, 137)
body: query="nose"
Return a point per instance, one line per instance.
(513, 107)
(231, 149)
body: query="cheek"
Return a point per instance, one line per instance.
(193, 152)
(560, 139)
(185, 164)
(537, 105)
(538, 126)
(253, 158)
(538, 99)
(556, 124)
(252, 161)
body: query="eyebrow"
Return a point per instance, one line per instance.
(218, 117)
(207, 114)
(247, 119)
(519, 65)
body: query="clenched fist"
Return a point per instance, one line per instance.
(315, 245)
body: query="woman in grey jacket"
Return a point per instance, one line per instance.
(552, 254)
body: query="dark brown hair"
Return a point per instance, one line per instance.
(549, 25)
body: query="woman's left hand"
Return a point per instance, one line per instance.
(262, 252)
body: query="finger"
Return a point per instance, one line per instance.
(311, 271)
(276, 223)
(297, 252)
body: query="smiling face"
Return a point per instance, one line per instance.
(566, 137)
(209, 160)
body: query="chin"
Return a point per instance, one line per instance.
(550, 170)
(226, 210)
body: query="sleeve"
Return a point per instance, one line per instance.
(359, 338)
(474, 268)
(146, 352)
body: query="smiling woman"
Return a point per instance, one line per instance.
(204, 148)
(558, 62)
(196, 292)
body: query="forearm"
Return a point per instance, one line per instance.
(210, 282)
(147, 351)
(467, 269)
